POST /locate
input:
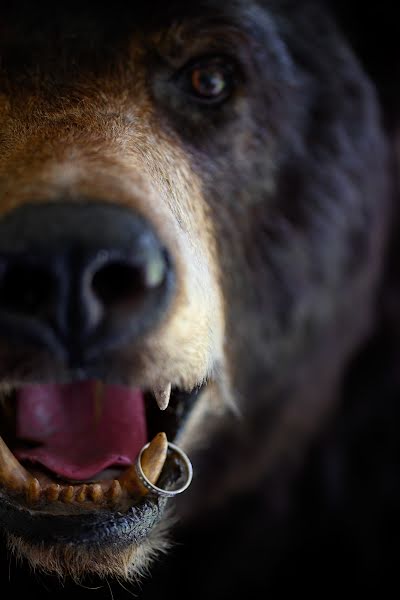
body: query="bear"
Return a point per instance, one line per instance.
(195, 220)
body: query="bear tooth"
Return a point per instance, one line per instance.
(115, 491)
(129, 481)
(67, 493)
(153, 460)
(81, 494)
(162, 396)
(154, 457)
(96, 493)
(33, 491)
(53, 492)
(12, 473)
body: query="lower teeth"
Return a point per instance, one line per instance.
(16, 479)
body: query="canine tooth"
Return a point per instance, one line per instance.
(162, 396)
(67, 493)
(53, 492)
(82, 493)
(96, 493)
(33, 491)
(129, 481)
(154, 457)
(115, 491)
(153, 460)
(12, 473)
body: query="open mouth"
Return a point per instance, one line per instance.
(67, 460)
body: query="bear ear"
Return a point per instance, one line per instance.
(373, 31)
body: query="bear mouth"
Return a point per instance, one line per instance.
(68, 454)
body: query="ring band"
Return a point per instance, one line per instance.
(159, 491)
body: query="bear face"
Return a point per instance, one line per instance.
(212, 180)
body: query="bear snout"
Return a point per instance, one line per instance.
(82, 278)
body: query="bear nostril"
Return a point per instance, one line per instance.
(117, 283)
(121, 281)
(27, 289)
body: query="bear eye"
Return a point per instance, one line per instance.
(211, 80)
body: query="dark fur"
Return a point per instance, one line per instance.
(300, 491)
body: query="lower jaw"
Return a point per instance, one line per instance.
(92, 529)
(89, 526)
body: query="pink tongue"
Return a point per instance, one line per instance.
(82, 428)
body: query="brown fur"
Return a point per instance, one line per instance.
(262, 310)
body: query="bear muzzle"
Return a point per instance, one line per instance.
(78, 281)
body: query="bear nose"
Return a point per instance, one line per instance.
(80, 278)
